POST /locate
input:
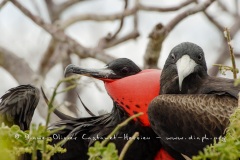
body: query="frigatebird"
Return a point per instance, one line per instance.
(129, 98)
(18, 105)
(131, 90)
(193, 108)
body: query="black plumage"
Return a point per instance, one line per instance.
(88, 130)
(85, 131)
(18, 105)
(192, 103)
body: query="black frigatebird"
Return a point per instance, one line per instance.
(131, 90)
(193, 108)
(18, 105)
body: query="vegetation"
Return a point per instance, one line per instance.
(229, 149)
(14, 142)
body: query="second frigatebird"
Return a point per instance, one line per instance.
(193, 108)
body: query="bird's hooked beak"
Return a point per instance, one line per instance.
(185, 66)
(104, 74)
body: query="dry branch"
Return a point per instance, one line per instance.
(159, 33)
(22, 73)
(214, 22)
(44, 62)
(17, 67)
(118, 16)
(111, 40)
(121, 22)
(96, 17)
(165, 9)
(223, 56)
(3, 3)
(59, 35)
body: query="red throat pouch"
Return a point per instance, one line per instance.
(134, 93)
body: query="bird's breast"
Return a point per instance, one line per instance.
(134, 93)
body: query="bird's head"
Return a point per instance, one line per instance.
(129, 86)
(185, 63)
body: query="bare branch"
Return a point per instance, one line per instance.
(111, 41)
(55, 10)
(214, 22)
(96, 17)
(121, 22)
(67, 4)
(237, 7)
(44, 63)
(3, 3)
(165, 9)
(105, 43)
(117, 16)
(229, 11)
(62, 37)
(223, 56)
(154, 47)
(159, 33)
(51, 10)
(15, 65)
(237, 55)
(191, 11)
(71, 95)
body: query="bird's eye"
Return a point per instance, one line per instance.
(173, 56)
(199, 57)
(125, 70)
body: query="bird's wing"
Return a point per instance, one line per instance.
(18, 105)
(219, 86)
(187, 123)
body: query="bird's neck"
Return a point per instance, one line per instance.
(192, 83)
(169, 82)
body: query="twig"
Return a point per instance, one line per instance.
(3, 3)
(51, 109)
(228, 37)
(117, 16)
(224, 68)
(237, 7)
(165, 9)
(159, 33)
(237, 55)
(111, 41)
(191, 11)
(224, 8)
(121, 22)
(104, 44)
(44, 62)
(223, 57)
(66, 5)
(119, 126)
(62, 37)
(214, 22)
(96, 17)
(127, 145)
(15, 65)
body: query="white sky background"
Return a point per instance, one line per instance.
(21, 36)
